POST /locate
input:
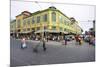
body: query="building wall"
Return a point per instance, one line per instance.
(19, 23)
(62, 23)
(13, 26)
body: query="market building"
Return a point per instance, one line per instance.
(49, 22)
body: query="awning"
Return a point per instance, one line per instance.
(65, 32)
(51, 31)
(25, 32)
(41, 31)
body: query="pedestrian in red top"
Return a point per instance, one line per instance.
(77, 39)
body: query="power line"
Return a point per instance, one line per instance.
(54, 2)
(38, 4)
(87, 21)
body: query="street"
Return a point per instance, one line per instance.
(56, 53)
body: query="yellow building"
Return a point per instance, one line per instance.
(13, 27)
(50, 20)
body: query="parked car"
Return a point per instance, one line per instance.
(87, 38)
(70, 37)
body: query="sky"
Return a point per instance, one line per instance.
(84, 14)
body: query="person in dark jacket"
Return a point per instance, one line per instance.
(65, 40)
(44, 46)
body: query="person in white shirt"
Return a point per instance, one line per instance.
(23, 44)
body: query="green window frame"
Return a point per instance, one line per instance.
(65, 29)
(60, 19)
(54, 27)
(24, 22)
(54, 16)
(38, 19)
(65, 22)
(45, 17)
(61, 28)
(28, 21)
(33, 20)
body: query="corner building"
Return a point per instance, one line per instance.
(50, 21)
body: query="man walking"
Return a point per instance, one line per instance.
(65, 40)
(44, 47)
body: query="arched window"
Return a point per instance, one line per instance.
(38, 19)
(24, 23)
(45, 18)
(60, 19)
(33, 20)
(53, 16)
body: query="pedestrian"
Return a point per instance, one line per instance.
(80, 41)
(65, 40)
(58, 39)
(77, 39)
(44, 46)
(47, 38)
(90, 39)
(23, 43)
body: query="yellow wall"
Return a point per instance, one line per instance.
(13, 26)
(49, 23)
(21, 20)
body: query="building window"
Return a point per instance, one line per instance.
(33, 20)
(60, 19)
(54, 27)
(28, 29)
(38, 28)
(38, 19)
(65, 29)
(61, 28)
(68, 22)
(28, 21)
(53, 16)
(18, 30)
(65, 22)
(45, 18)
(33, 29)
(18, 23)
(24, 23)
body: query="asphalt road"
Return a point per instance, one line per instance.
(56, 53)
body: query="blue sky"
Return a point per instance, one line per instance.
(82, 13)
